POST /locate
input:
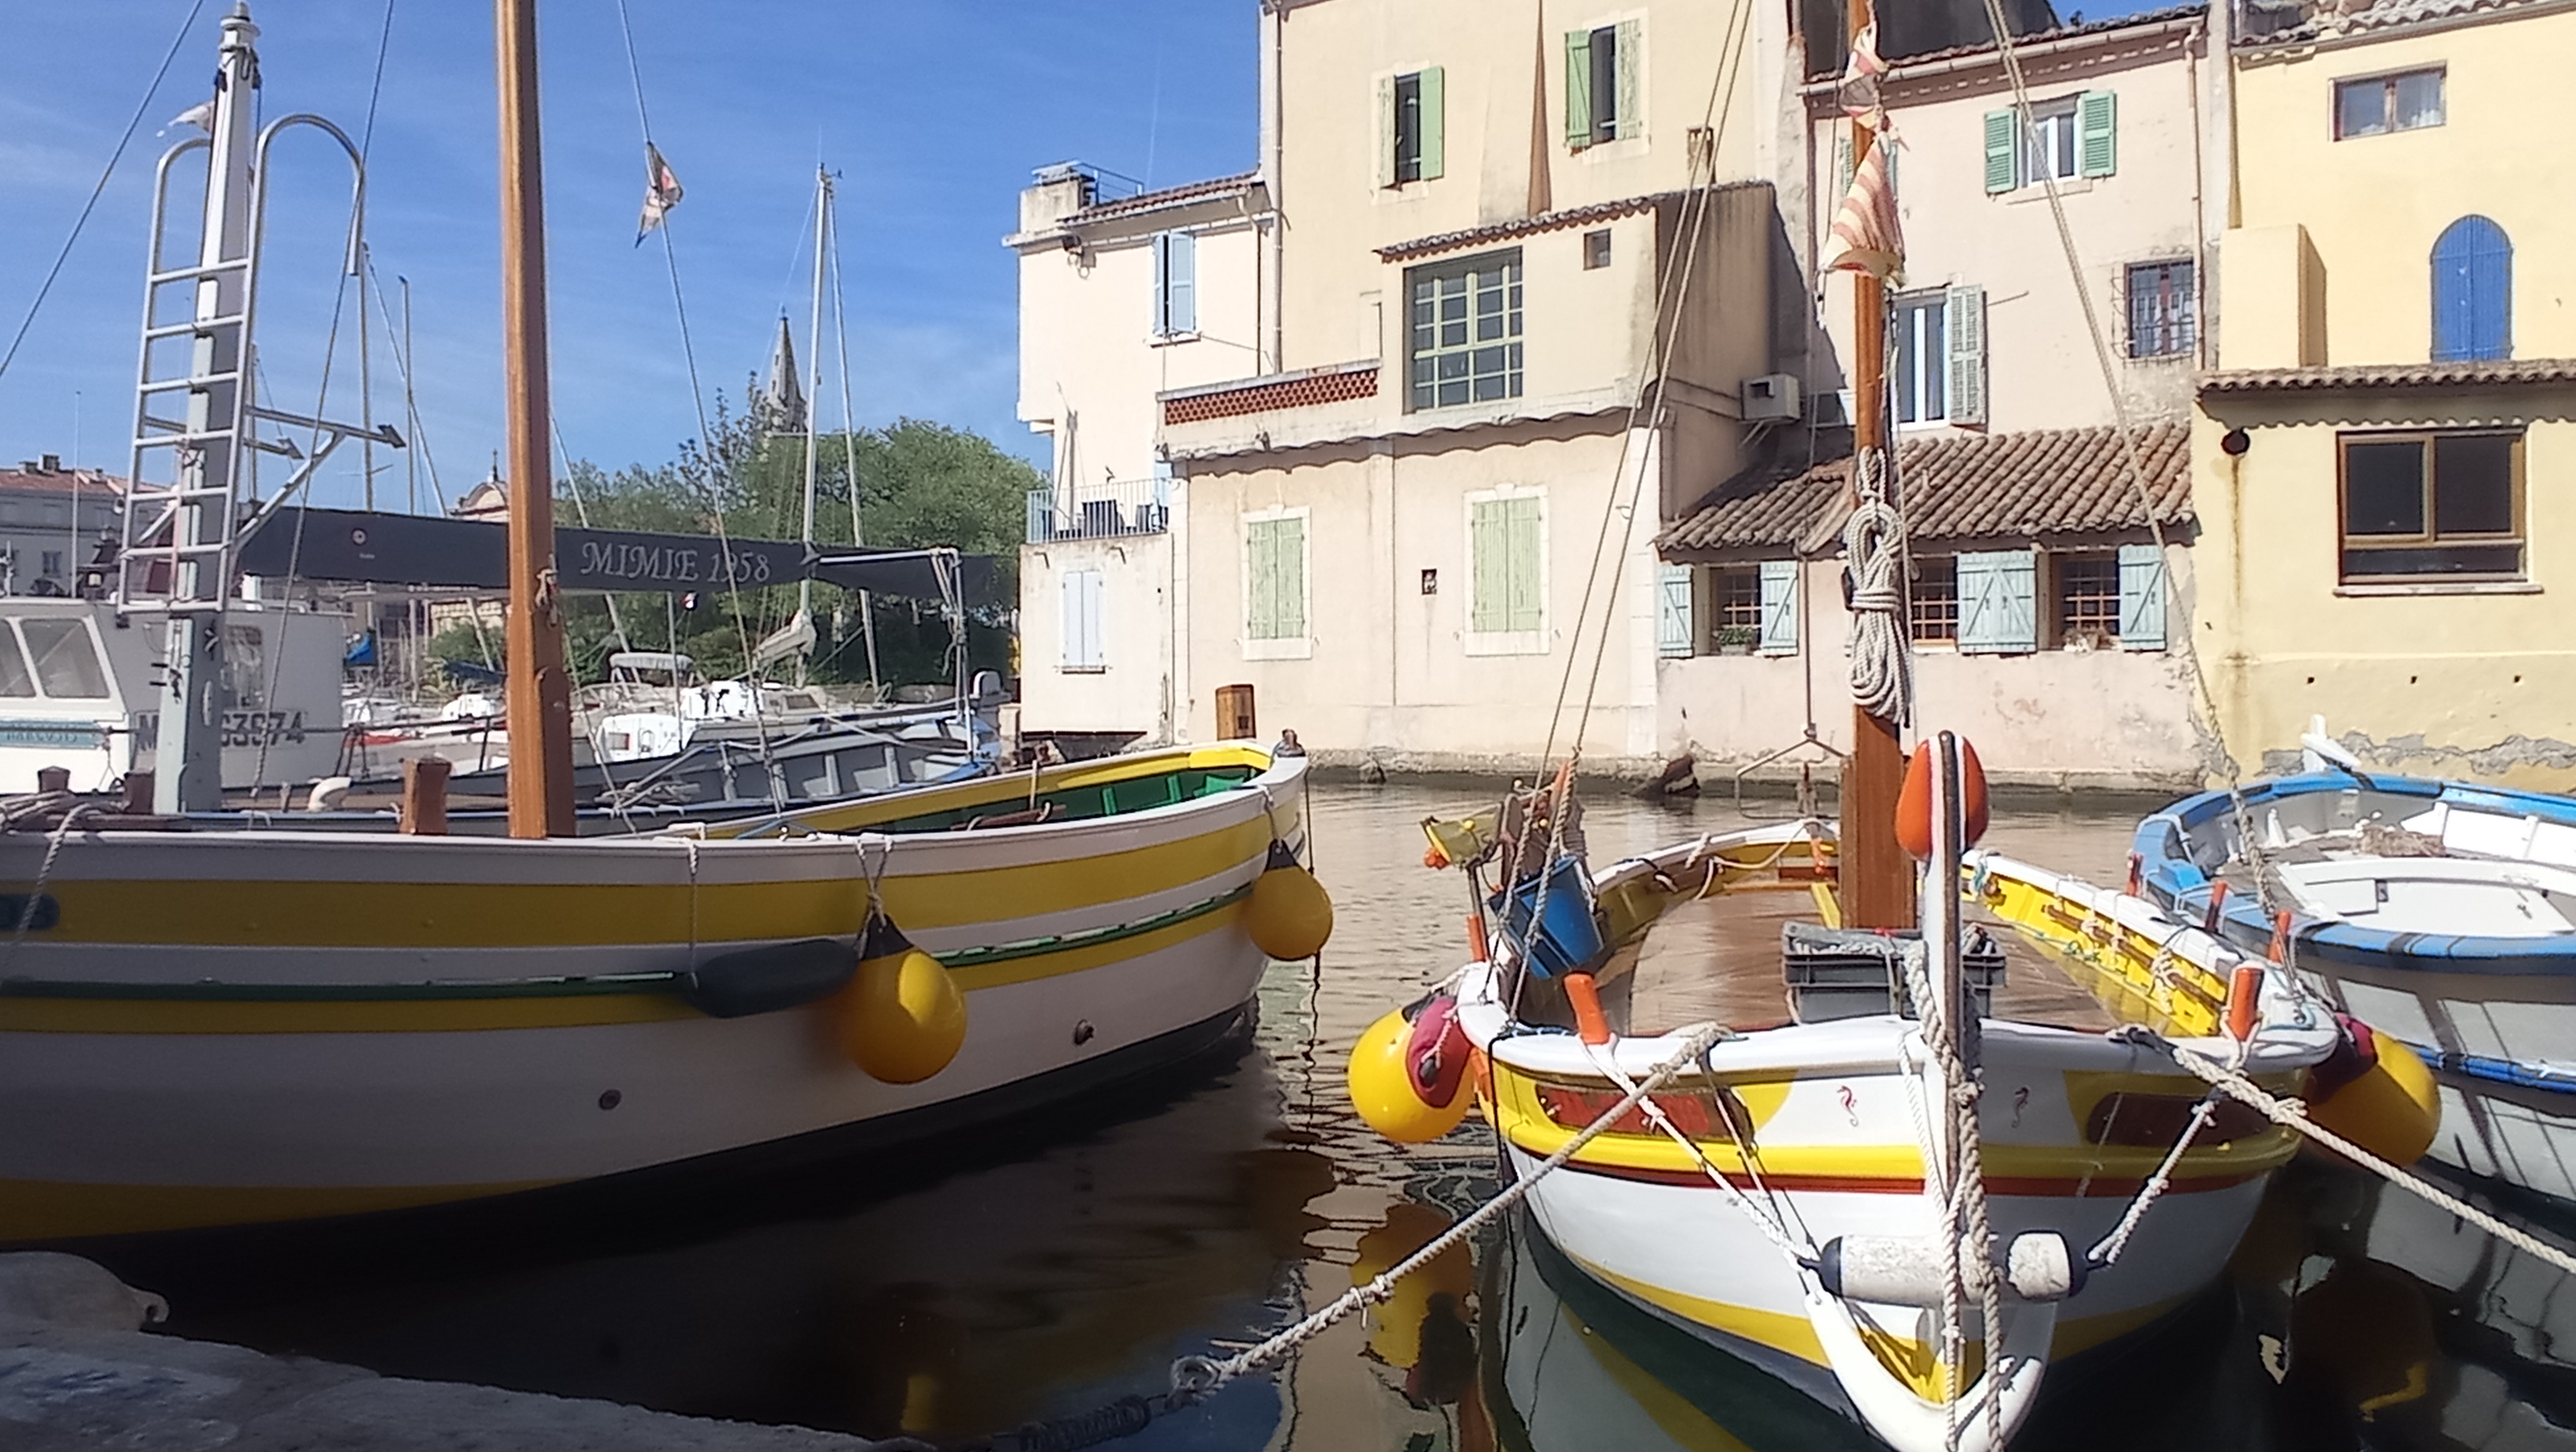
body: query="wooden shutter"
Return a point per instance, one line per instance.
(1261, 590)
(1385, 131)
(2097, 148)
(1524, 606)
(1999, 151)
(1965, 322)
(1434, 144)
(1673, 635)
(1578, 88)
(1488, 566)
(1997, 601)
(1630, 58)
(1289, 577)
(2142, 597)
(1779, 607)
(2472, 292)
(1180, 282)
(1079, 648)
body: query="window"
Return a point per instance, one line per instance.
(1596, 250)
(15, 679)
(1601, 82)
(245, 668)
(1466, 339)
(2162, 316)
(1506, 593)
(2068, 138)
(1922, 354)
(53, 562)
(1274, 605)
(1932, 600)
(1411, 145)
(1079, 627)
(2377, 105)
(2445, 504)
(1735, 604)
(1176, 284)
(2088, 600)
(66, 662)
(2472, 292)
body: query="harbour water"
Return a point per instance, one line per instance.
(1045, 1268)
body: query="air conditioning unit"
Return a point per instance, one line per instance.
(1771, 398)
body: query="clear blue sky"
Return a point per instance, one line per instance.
(934, 114)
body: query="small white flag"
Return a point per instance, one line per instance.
(200, 115)
(661, 192)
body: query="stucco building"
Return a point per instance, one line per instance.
(52, 520)
(2396, 393)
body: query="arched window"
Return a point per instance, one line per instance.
(2472, 292)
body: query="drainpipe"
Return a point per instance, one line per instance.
(1274, 20)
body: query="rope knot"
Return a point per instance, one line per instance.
(1194, 1378)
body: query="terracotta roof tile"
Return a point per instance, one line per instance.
(2305, 21)
(1961, 486)
(2355, 377)
(60, 481)
(1181, 195)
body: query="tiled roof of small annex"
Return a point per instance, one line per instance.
(2325, 21)
(2355, 377)
(1523, 226)
(1180, 195)
(1964, 486)
(2144, 19)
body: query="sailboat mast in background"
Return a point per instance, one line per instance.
(540, 691)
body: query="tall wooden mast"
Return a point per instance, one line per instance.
(540, 692)
(1876, 877)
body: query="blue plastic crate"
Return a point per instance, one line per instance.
(1569, 938)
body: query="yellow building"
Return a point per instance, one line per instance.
(2380, 452)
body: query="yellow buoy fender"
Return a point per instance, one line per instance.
(1290, 916)
(2375, 1092)
(902, 1017)
(1407, 1073)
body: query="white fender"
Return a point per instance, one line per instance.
(2015, 1362)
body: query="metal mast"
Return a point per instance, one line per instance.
(813, 397)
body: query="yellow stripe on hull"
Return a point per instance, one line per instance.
(39, 1210)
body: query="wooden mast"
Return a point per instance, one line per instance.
(540, 693)
(1876, 877)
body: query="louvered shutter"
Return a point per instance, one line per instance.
(1094, 635)
(2142, 597)
(1289, 575)
(1433, 124)
(1180, 282)
(1488, 584)
(1997, 613)
(1965, 322)
(1261, 592)
(2097, 149)
(1386, 131)
(2472, 292)
(1999, 151)
(1578, 88)
(1524, 609)
(1779, 607)
(1069, 620)
(1631, 116)
(1673, 610)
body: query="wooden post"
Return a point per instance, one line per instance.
(1876, 878)
(424, 796)
(540, 694)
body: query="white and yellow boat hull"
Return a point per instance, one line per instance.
(203, 1029)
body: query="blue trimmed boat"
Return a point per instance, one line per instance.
(2442, 912)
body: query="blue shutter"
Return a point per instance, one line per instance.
(1779, 607)
(1181, 305)
(1673, 610)
(2472, 292)
(2142, 597)
(1997, 604)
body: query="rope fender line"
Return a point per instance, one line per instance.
(2290, 1115)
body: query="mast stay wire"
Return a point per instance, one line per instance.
(850, 446)
(706, 437)
(135, 123)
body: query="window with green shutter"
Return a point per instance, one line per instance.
(1673, 633)
(1604, 69)
(2097, 133)
(1412, 127)
(1506, 595)
(1274, 597)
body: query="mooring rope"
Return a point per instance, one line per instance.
(1882, 658)
(2291, 1116)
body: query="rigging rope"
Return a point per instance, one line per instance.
(45, 288)
(1882, 657)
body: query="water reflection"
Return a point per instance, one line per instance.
(1046, 1268)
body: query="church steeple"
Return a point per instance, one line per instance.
(784, 395)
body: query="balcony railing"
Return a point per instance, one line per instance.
(1100, 511)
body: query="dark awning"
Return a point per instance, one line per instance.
(361, 547)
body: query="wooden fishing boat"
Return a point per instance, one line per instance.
(1775, 1199)
(2442, 912)
(205, 1029)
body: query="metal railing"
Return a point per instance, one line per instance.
(1100, 511)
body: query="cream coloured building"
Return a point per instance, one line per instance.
(2039, 598)
(2379, 455)
(1430, 509)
